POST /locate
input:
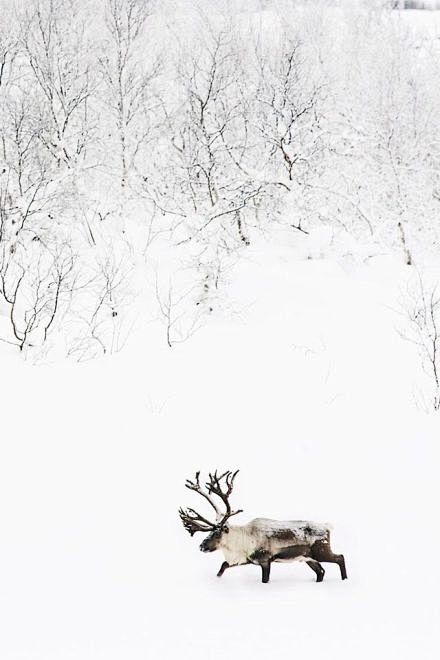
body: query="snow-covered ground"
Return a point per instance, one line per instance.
(308, 389)
(300, 377)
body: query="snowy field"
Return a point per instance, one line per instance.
(284, 267)
(308, 390)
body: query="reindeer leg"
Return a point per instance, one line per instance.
(262, 558)
(265, 572)
(223, 567)
(317, 568)
(339, 559)
(323, 552)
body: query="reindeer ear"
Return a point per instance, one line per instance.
(226, 530)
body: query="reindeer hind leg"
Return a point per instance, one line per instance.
(322, 552)
(340, 560)
(316, 568)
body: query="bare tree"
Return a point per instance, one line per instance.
(421, 308)
(99, 324)
(178, 310)
(287, 122)
(8, 50)
(56, 49)
(129, 67)
(60, 115)
(37, 287)
(206, 185)
(381, 175)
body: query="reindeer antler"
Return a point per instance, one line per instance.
(195, 486)
(214, 485)
(194, 522)
(220, 485)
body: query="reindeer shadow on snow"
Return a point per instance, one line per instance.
(261, 541)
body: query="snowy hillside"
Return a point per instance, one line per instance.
(218, 250)
(308, 390)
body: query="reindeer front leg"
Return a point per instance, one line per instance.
(225, 565)
(265, 568)
(262, 558)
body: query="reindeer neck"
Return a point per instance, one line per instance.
(236, 545)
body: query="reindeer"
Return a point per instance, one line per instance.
(261, 541)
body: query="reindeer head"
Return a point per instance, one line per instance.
(221, 486)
